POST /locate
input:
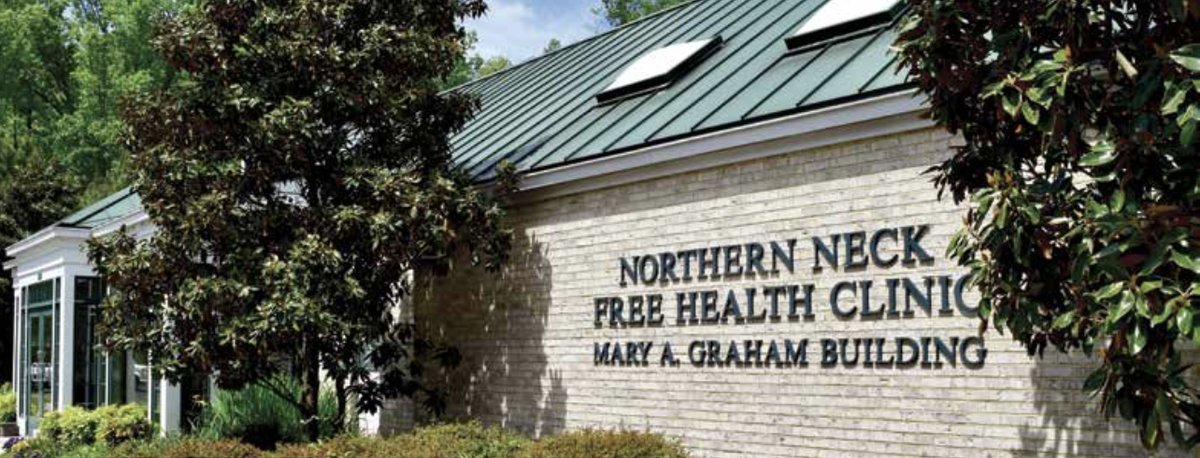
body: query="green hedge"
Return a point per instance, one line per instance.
(608, 444)
(463, 440)
(108, 425)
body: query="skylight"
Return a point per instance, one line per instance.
(838, 17)
(658, 68)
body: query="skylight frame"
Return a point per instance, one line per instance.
(617, 90)
(828, 27)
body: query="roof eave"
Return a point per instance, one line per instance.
(44, 236)
(856, 115)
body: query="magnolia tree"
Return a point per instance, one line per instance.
(1080, 163)
(296, 175)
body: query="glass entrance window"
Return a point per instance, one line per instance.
(41, 370)
(40, 348)
(90, 376)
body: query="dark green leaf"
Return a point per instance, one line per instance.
(1188, 57)
(1064, 320)
(1183, 319)
(1095, 381)
(1186, 261)
(1138, 339)
(1101, 153)
(1108, 291)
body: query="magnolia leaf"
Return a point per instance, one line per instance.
(1101, 153)
(1186, 261)
(992, 89)
(1011, 103)
(1188, 57)
(1108, 291)
(1032, 214)
(1030, 112)
(1095, 381)
(1064, 320)
(1118, 201)
(1137, 340)
(1123, 307)
(1175, 95)
(1183, 319)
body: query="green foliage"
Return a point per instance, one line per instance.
(8, 404)
(257, 415)
(122, 423)
(620, 12)
(107, 425)
(608, 444)
(185, 447)
(466, 440)
(63, 67)
(43, 447)
(471, 65)
(1079, 161)
(72, 426)
(296, 175)
(37, 192)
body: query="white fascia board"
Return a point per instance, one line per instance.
(867, 118)
(46, 236)
(56, 259)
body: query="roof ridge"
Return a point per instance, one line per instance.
(97, 207)
(573, 44)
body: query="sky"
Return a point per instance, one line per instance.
(520, 29)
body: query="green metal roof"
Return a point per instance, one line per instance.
(543, 113)
(119, 205)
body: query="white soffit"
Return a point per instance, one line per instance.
(837, 17)
(658, 68)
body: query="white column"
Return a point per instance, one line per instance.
(64, 371)
(18, 341)
(170, 406)
(16, 348)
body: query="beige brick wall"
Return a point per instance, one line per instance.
(527, 333)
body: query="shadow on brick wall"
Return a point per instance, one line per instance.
(497, 321)
(1071, 423)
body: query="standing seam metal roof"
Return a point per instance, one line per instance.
(543, 113)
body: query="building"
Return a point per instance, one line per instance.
(724, 235)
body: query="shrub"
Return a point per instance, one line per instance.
(119, 424)
(108, 425)
(257, 416)
(74, 426)
(38, 447)
(459, 440)
(8, 404)
(86, 451)
(186, 447)
(466, 440)
(608, 444)
(340, 446)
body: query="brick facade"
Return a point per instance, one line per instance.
(527, 334)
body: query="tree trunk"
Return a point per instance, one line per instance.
(342, 401)
(309, 411)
